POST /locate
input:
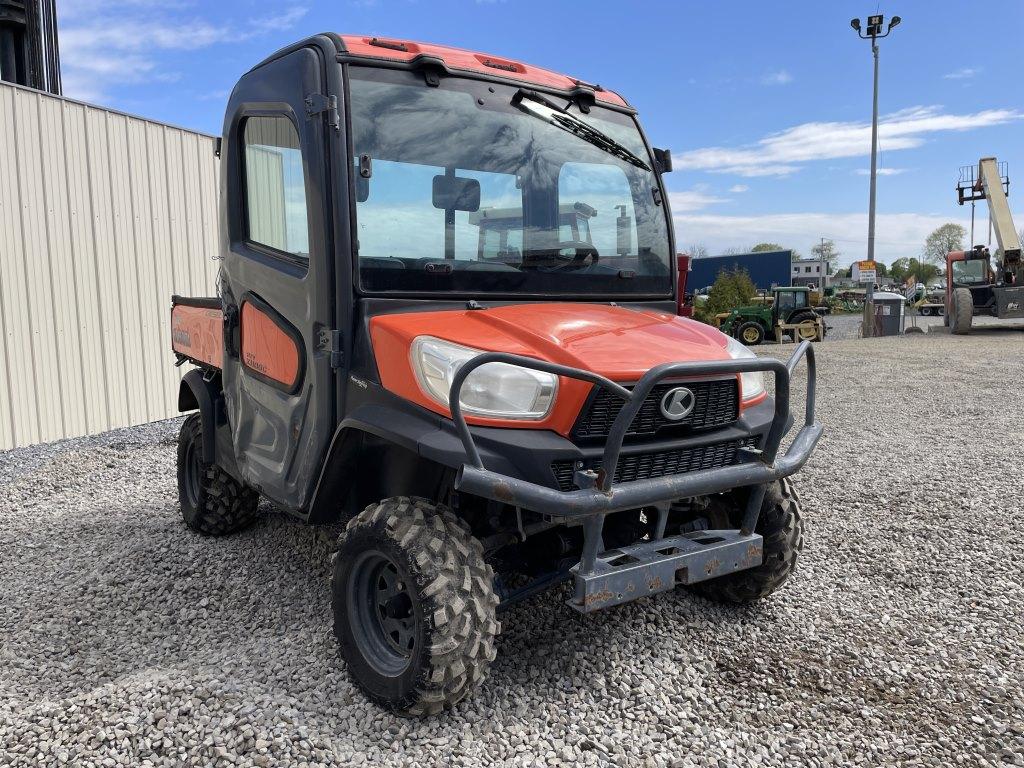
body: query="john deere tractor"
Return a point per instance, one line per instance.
(755, 323)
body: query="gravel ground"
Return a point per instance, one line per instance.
(847, 326)
(127, 640)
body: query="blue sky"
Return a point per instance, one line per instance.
(766, 105)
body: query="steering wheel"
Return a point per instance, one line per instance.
(584, 251)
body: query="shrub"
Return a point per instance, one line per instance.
(732, 288)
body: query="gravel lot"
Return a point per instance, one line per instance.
(127, 640)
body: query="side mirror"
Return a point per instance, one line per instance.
(663, 159)
(455, 193)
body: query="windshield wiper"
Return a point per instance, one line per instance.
(534, 104)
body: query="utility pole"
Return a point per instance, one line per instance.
(874, 34)
(823, 266)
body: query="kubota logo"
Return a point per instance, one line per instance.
(677, 403)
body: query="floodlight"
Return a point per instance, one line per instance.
(894, 22)
(855, 23)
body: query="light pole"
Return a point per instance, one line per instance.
(874, 34)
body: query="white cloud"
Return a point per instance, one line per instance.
(962, 74)
(780, 77)
(737, 188)
(896, 234)
(880, 171)
(783, 153)
(98, 52)
(693, 200)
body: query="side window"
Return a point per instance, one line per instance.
(396, 217)
(596, 201)
(501, 209)
(275, 185)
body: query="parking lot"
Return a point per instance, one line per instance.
(897, 643)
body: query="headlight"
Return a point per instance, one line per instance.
(494, 390)
(751, 382)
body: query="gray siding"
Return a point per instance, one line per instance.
(102, 217)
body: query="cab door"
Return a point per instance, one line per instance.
(277, 275)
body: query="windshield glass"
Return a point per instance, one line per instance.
(460, 189)
(969, 272)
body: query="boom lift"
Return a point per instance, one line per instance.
(972, 286)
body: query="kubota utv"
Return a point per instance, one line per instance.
(491, 410)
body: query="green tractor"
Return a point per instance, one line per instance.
(790, 306)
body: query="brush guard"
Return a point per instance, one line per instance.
(605, 578)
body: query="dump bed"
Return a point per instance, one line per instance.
(197, 330)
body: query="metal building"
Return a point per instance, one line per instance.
(766, 268)
(29, 52)
(102, 217)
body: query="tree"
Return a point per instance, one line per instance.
(826, 250)
(761, 247)
(899, 270)
(732, 288)
(881, 270)
(904, 268)
(698, 251)
(948, 237)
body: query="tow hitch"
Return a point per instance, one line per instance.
(648, 567)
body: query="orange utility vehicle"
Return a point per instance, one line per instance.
(494, 403)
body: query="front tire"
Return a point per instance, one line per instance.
(212, 502)
(963, 311)
(750, 333)
(782, 529)
(414, 606)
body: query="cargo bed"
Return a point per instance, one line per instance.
(197, 330)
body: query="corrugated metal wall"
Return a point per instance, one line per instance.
(102, 217)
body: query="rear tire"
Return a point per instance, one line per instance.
(811, 333)
(781, 526)
(750, 333)
(414, 606)
(212, 502)
(963, 311)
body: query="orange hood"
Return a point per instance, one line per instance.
(617, 342)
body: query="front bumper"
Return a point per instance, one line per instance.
(606, 578)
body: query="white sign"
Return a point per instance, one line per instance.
(864, 272)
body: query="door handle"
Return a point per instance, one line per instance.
(231, 326)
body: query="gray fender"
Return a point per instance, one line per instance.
(196, 393)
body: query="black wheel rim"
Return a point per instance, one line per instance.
(382, 613)
(193, 475)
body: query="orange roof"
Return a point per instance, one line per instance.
(469, 61)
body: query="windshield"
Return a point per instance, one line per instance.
(462, 189)
(969, 272)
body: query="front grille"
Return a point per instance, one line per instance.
(717, 404)
(641, 466)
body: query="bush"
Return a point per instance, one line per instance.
(732, 288)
